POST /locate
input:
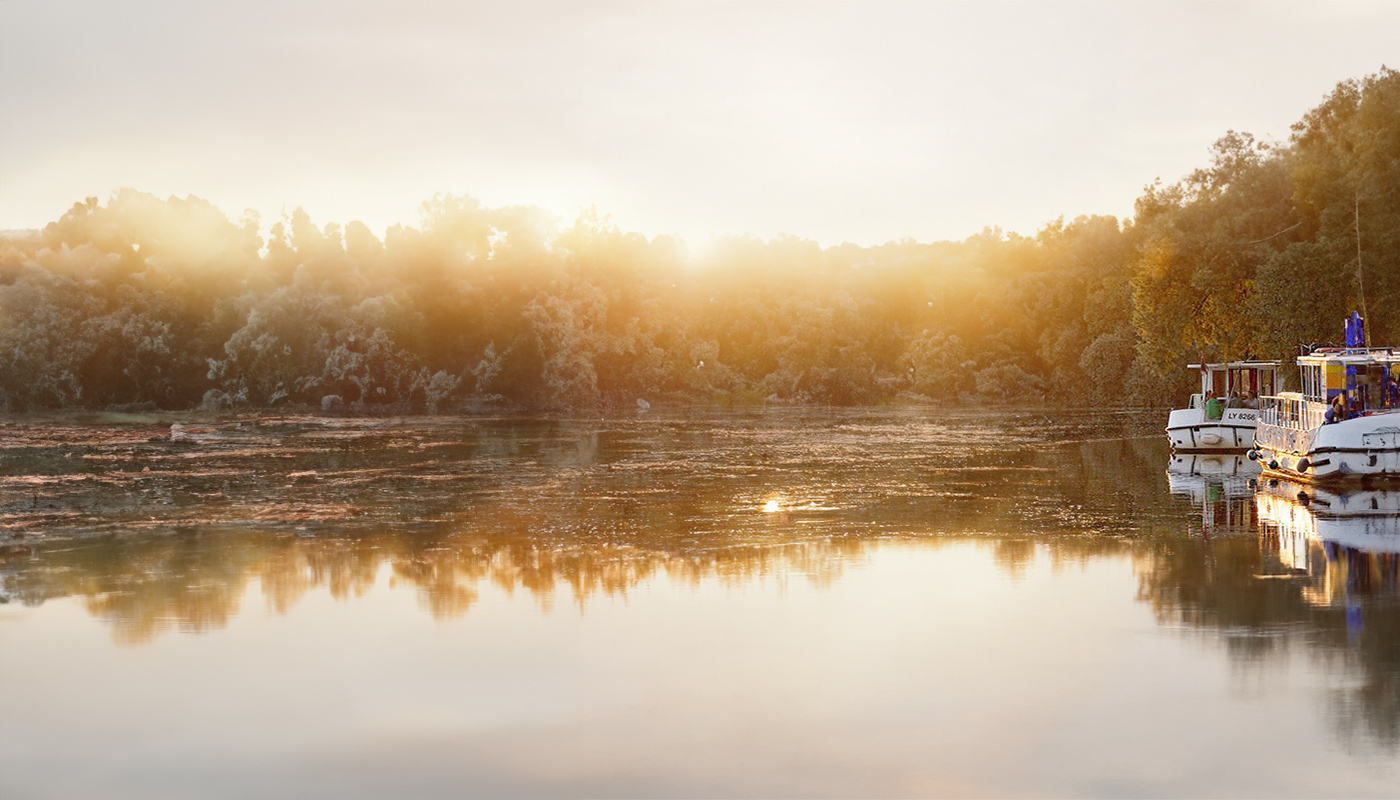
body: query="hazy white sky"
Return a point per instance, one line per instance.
(862, 122)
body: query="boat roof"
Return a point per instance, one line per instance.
(1354, 355)
(1224, 365)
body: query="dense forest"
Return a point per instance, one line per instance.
(145, 303)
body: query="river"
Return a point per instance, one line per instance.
(709, 603)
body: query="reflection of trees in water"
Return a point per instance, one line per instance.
(195, 582)
(1211, 584)
(590, 509)
(1360, 588)
(1015, 557)
(585, 506)
(141, 588)
(1369, 710)
(1338, 606)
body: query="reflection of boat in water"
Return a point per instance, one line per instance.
(1366, 519)
(1346, 420)
(1218, 419)
(1222, 484)
(1201, 476)
(1348, 541)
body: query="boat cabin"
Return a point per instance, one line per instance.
(1236, 382)
(1366, 378)
(1342, 422)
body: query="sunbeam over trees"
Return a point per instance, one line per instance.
(149, 303)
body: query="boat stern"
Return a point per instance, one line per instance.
(1188, 430)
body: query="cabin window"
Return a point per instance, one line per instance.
(1336, 376)
(1314, 387)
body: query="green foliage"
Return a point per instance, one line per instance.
(938, 366)
(145, 301)
(1271, 246)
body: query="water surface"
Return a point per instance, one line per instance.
(723, 603)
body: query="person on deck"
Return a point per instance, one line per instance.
(1214, 409)
(1337, 411)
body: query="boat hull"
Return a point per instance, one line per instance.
(1363, 447)
(1189, 431)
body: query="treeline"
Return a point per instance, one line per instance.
(149, 303)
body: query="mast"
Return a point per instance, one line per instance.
(1360, 284)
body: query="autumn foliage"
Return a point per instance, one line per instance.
(150, 303)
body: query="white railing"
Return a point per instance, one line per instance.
(1293, 413)
(1288, 423)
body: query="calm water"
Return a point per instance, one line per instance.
(770, 603)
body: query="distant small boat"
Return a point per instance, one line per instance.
(1222, 416)
(1344, 423)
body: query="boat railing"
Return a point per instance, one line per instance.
(1294, 413)
(1334, 350)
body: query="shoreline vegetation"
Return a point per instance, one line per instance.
(145, 305)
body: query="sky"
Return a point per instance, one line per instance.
(837, 122)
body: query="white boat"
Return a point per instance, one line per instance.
(1345, 423)
(1222, 416)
